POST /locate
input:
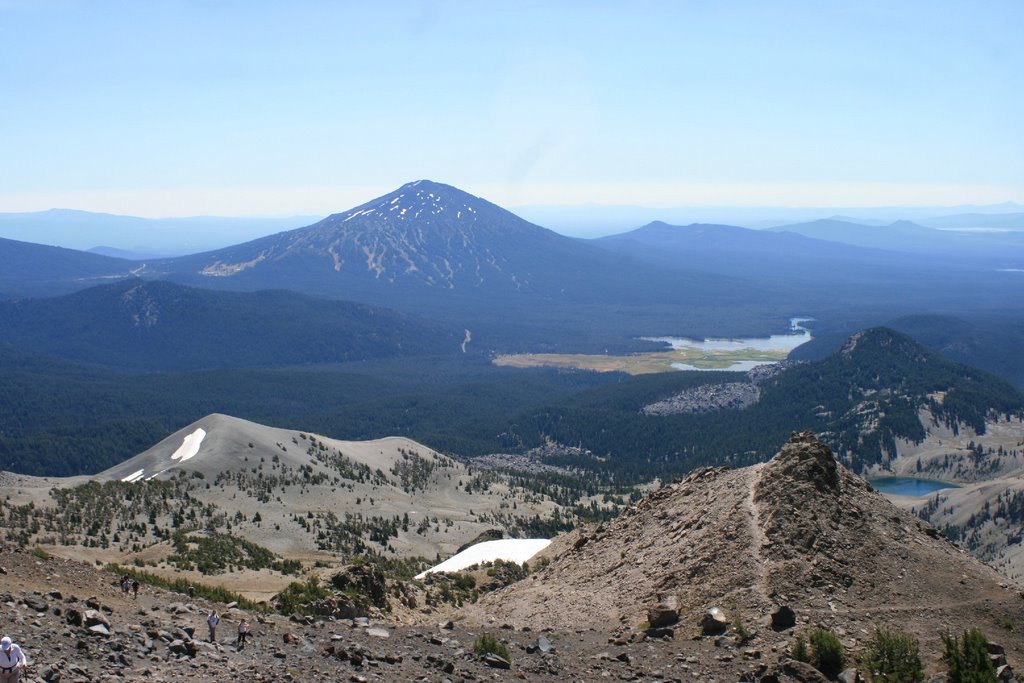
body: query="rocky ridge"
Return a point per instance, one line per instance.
(799, 532)
(296, 494)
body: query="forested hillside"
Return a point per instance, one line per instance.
(161, 326)
(72, 419)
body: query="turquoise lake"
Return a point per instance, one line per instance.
(905, 486)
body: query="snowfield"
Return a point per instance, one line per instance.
(134, 476)
(516, 550)
(190, 446)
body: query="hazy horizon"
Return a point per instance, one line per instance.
(178, 235)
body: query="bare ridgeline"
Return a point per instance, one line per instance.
(712, 577)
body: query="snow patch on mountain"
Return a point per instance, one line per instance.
(189, 446)
(134, 476)
(516, 550)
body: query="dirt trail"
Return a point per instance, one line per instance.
(759, 540)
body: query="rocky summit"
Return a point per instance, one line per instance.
(799, 535)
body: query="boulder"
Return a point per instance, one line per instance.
(783, 618)
(850, 675)
(99, 630)
(714, 621)
(665, 613)
(50, 674)
(805, 673)
(1004, 673)
(36, 603)
(497, 662)
(179, 608)
(93, 617)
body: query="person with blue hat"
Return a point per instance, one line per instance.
(12, 661)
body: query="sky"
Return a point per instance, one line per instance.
(173, 108)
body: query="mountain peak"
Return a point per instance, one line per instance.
(422, 235)
(798, 531)
(803, 460)
(875, 339)
(420, 200)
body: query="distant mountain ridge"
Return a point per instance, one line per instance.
(977, 220)
(38, 270)
(75, 229)
(141, 325)
(377, 495)
(908, 236)
(742, 251)
(863, 399)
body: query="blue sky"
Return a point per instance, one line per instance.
(163, 108)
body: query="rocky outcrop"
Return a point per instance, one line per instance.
(706, 398)
(363, 580)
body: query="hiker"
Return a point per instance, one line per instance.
(125, 584)
(243, 633)
(12, 661)
(135, 588)
(213, 620)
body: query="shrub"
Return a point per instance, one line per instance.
(968, 659)
(743, 635)
(893, 657)
(826, 651)
(503, 573)
(799, 652)
(487, 644)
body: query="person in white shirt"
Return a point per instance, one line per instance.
(212, 620)
(12, 661)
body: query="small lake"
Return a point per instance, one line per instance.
(906, 486)
(776, 347)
